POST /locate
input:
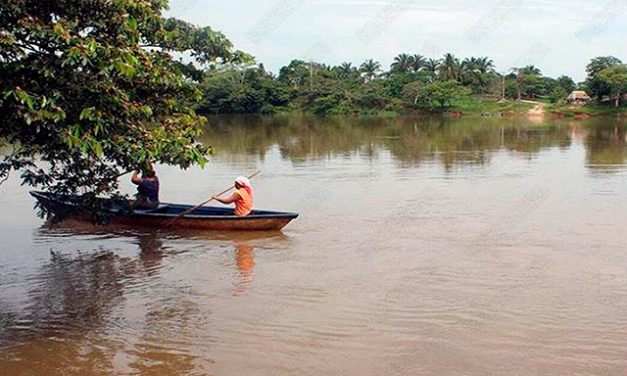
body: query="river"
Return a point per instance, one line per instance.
(424, 246)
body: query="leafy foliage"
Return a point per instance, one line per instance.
(615, 78)
(89, 89)
(595, 85)
(440, 94)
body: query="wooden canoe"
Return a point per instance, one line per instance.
(206, 218)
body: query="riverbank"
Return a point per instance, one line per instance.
(489, 106)
(483, 106)
(486, 106)
(589, 110)
(466, 106)
(478, 105)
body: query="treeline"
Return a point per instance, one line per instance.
(412, 83)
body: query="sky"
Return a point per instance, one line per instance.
(558, 36)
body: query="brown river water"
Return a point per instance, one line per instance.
(424, 247)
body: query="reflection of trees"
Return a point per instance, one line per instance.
(151, 252)
(605, 146)
(73, 296)
(410, 140)
(298, 137)
(71, 323)
(73, 299)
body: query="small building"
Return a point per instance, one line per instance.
(578, 97)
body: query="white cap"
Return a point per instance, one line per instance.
(241, 180)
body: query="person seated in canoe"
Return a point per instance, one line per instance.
(242, 197)
(147, 196)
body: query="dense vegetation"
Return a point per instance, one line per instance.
(90, 89)
(412, 83)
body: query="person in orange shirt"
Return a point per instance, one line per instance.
(242, 197)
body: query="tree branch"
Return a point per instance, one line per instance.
(7, 159)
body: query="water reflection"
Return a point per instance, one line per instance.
(245, 263)
(77, 297)
(70, 297)
(605, 146)
(151, 253)
(412, 141)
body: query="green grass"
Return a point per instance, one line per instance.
(478, 105)
(589, 109)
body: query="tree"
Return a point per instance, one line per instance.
(450, 68)
(443, 93)
(432, 66)
(529, 70)
(484, 65)
(417, 62)
(395, 83)
(346, 71)
(295, 74)
(615, 77)
(600, 63)
(90, 89)
(559, 94)
(412, 92)
(596, 87)
(403, 63)
(241, 90)
(566, 83)
(370, 69)
(371, 96)
(476, 73)
(526, 79)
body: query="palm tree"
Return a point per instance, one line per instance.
(418, 62)
(485, 65)
(370, 69)
(475, 72)
(432, 66)
(529, 70)
(450, 68)
(345, 71)
(468, 71)
(402, 64)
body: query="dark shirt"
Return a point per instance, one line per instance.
(149, 188)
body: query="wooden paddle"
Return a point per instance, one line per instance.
(206, 202)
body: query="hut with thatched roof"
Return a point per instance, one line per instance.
(578, 97)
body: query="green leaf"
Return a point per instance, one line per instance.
(125, 69)
(132, 23)
(131, 59)
(146, 110)
(97, 148)
(87, 113)
(59, 29)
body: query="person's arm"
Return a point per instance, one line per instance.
(135, 178)
(234, 197)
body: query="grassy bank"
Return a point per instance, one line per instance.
(465, 106)
(478, 105)
(587, 110)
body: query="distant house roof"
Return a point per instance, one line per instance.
(578, 95)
